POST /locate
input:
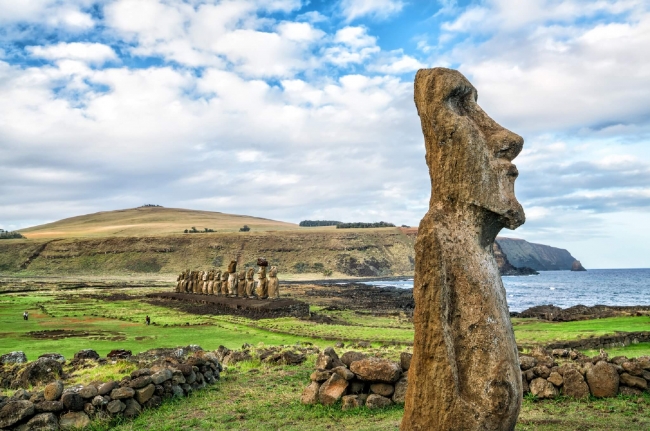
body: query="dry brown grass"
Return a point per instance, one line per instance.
(147, 221)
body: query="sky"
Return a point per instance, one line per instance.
(297, 109)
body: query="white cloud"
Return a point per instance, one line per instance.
(379, 9)
(396, 63)
(54, 13)
(91, 53)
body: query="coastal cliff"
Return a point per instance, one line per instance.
(539, 257)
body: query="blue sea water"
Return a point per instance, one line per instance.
(566, 288)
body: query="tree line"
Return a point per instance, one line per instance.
(5, 234)
(341, 225)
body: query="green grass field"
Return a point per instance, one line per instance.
(103, 325)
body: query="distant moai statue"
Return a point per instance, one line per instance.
(217, 282)
(179, 282)
(464, 374)
(250, 282)
(186, 276)
(273, 283)
(190, 282)
(204, 289)
(241, 284)
(211, 282)
(232, 278)
(224, 283)
(262, 287)
(197, 281)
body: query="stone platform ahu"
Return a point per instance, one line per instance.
(464, 373)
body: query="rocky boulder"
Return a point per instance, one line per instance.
(349, 357)
(405, 360)
(13, 358)
(86, 354)
(400, 390)
(633, 381)
(543, 389)
(310, 394)
(332, 390)
(55, 356)
(526, 362)
(74, 420)
(41, 422)
(376, 370)
(119, 354)
(375, 401)
(43, 370)
(53, 391)
(603, 380)
(14, 412)
(574, 384)
(351, 402)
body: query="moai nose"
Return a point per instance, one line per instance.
(505, 144)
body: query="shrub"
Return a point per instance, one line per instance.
(311, 223)
(4, 234)
(362, 225)
(244, 229)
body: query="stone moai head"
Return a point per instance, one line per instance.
(224, 276)
(469, 155)
(250, 273)
(232, 267)
(273, 272)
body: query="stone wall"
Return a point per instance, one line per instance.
(173, 373)
(358, 379)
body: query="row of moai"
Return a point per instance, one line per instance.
(231, 283)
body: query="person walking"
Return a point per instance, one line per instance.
(147, 320)
(25, 315)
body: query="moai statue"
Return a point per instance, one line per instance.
(204, 288)
(262, 288)
(232, 278)
(250, 282)
(211, 282)
(241, 284)
(273, 283)
(224, 283)
(217, 282)
(197, 280)
(190, 282)
(464, 373)
(179, 281)
(183, 285)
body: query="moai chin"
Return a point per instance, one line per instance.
(464, 374)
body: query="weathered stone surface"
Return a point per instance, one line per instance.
(13, 358)
(310, 394)
(153, 402)
(632, 368)
(15, 411)
(141, 372)
(574, 384)
(133, 408)
(405, 360)
(161, 376)
(626, 390)
(633, 381)
(465, 364)
(177, 391)
(21, 394)
(55, 356)
(49, 406)
(143, 395)
(115, 407)
(141, 382)
(88, 392)
(527, 362)
(542, 371)
(375, 401)
(320, 376)
(106, 388)
(41, 422)
(122, 393)
(323, 362)
(74, 420)
(99, 401)
(400, 390)
(556, 379)
(603, 380)
(86, 354)
(53, 391)
(543, 389)
(72, 401)
(356, 387)
(349, 357)
(344, 372)
(119, 354)
(350, 402)
(43, 370)
(376, 370)
(332, 390)
(383, 389)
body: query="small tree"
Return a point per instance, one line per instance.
(244, 229)
(185, 231)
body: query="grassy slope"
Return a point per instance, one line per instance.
(147, 221)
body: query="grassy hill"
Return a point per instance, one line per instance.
(149, 221)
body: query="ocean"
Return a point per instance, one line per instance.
(566, 288)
